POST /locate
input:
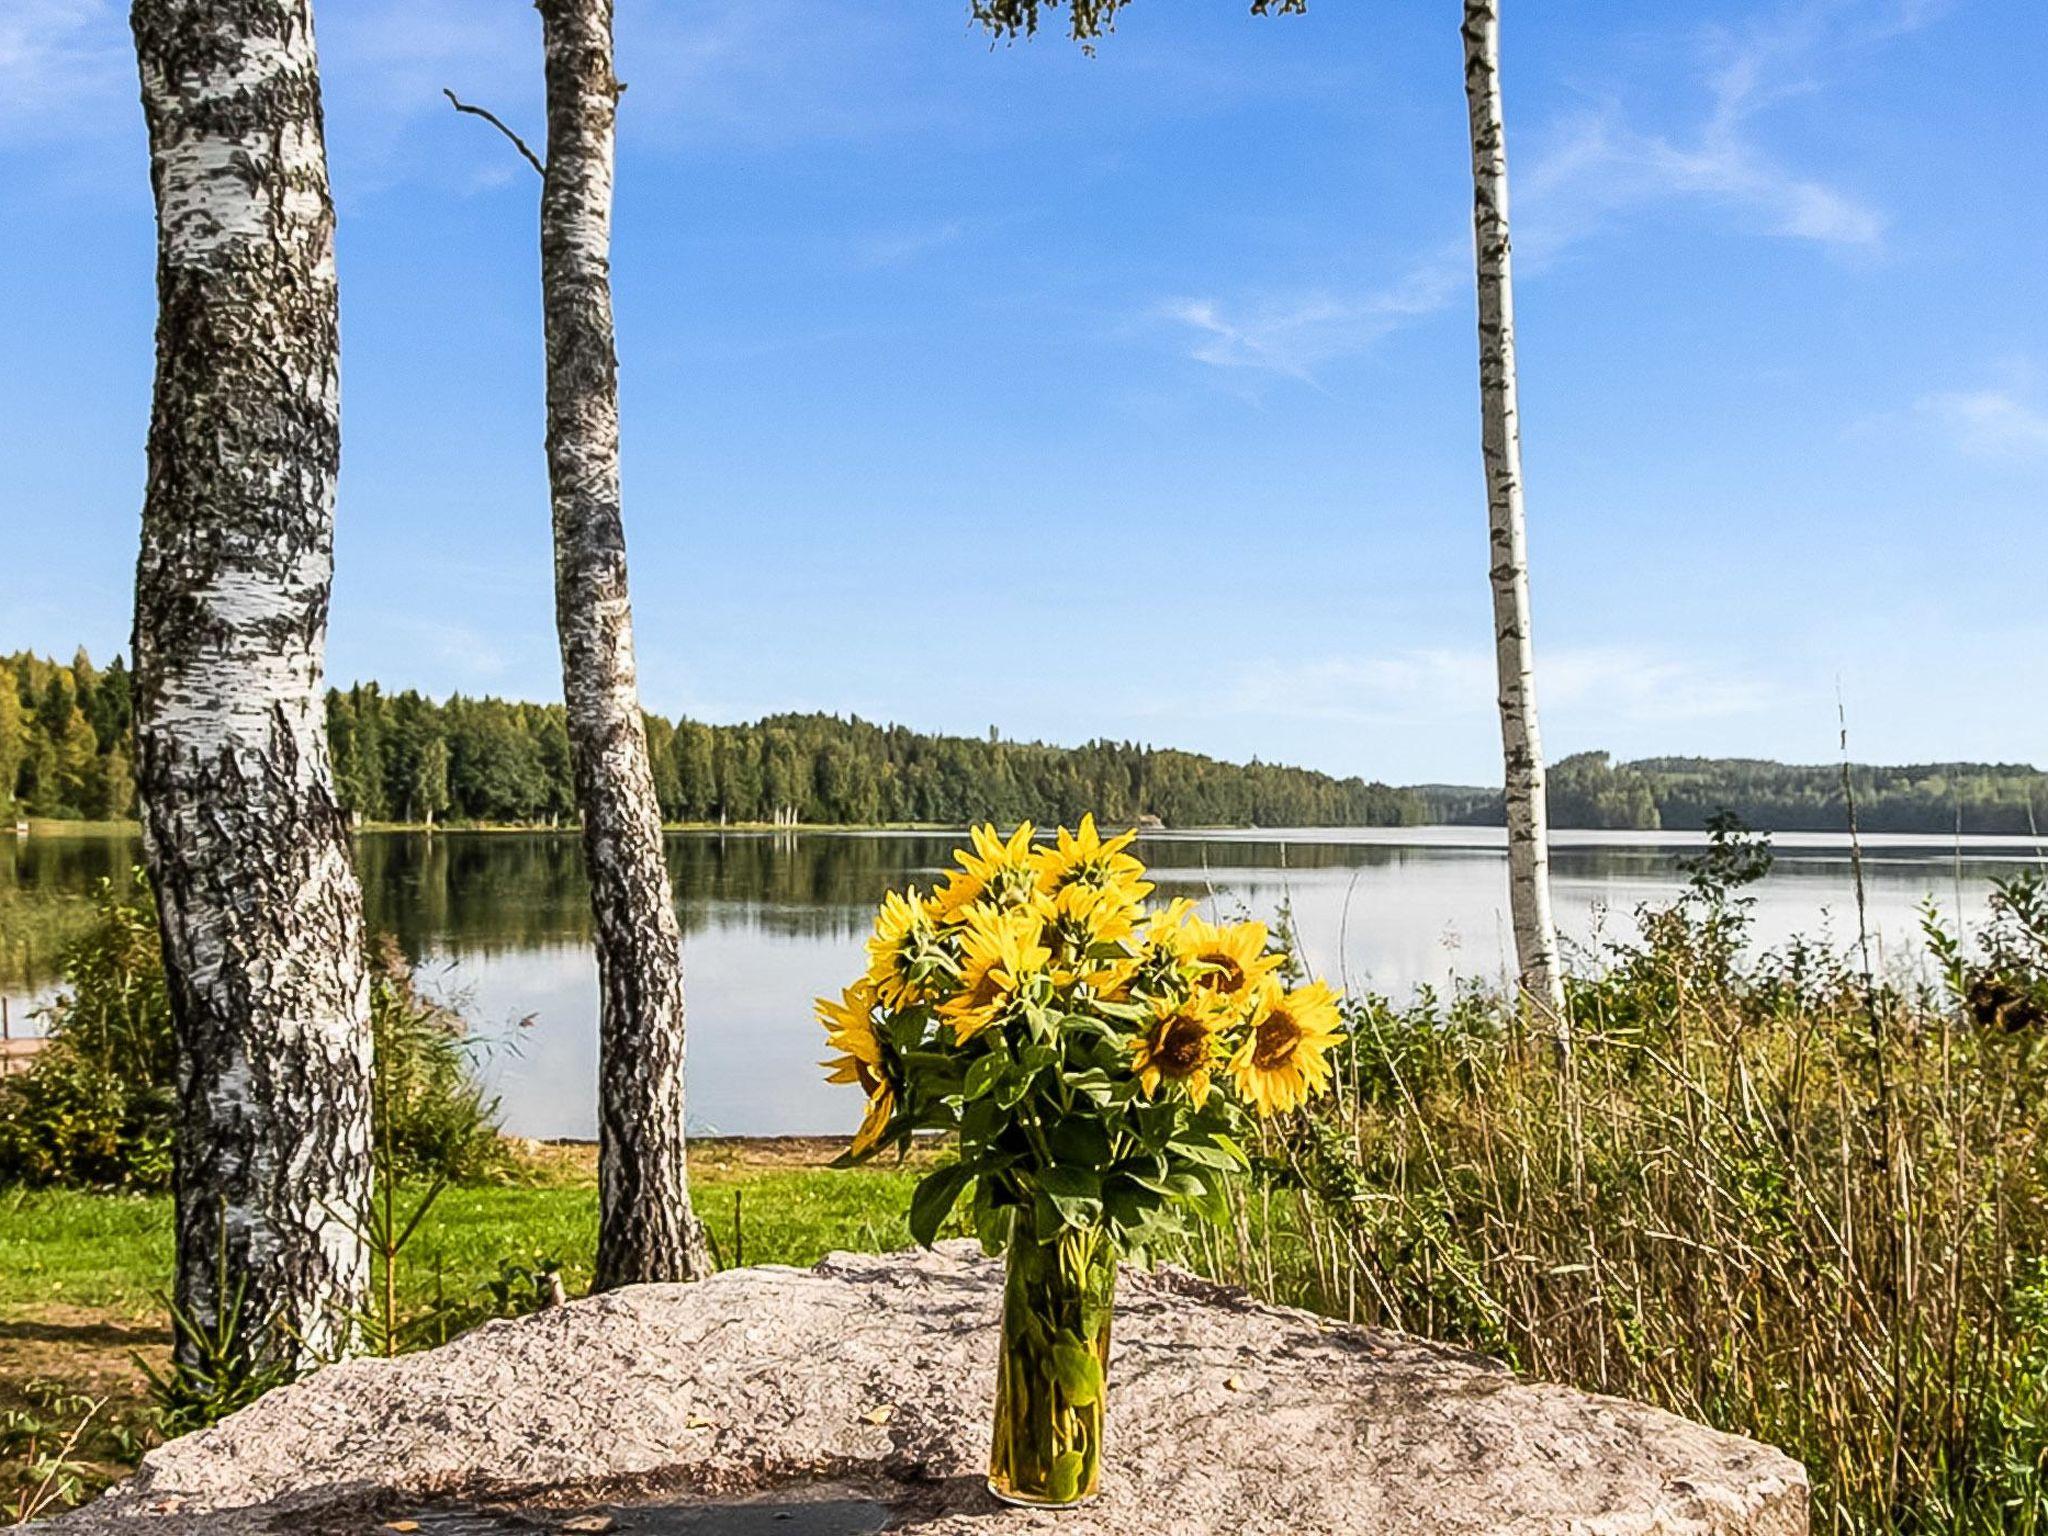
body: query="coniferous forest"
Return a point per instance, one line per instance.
(401, 757)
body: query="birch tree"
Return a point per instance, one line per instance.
(1536, 958)
(259, 909)
(646, 1230)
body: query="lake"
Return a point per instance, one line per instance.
(770, 920)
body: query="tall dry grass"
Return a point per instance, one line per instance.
(1766, 1193)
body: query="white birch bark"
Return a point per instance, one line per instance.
(1536, 956)
(647, 1230)
(260, 912)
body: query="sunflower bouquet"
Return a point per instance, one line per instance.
(1096, 1062)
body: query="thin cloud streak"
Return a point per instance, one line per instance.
(63, 63)
(1588, 172)
(1293, 337)
(1989, 423)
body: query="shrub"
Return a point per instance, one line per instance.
(70, 1121)
(431, 1118)
(98, 1105)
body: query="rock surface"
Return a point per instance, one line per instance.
(860, 1391)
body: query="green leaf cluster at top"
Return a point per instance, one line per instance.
(1052, 1122)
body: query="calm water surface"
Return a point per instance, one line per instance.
(501, 921)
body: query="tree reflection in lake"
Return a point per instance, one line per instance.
(771, 920)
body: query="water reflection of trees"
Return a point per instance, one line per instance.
(497, 892)
(46, 891)
(503, 891)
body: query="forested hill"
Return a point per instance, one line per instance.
(1591, 790)
(399, 756)
(64, 745)
(64, 751)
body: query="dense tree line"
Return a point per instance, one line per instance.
(404, 758)
(1680, 793)
(64, 751)
(66, 737)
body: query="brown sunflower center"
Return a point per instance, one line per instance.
(985, 989)
(1275, 1040)
(1227, 976)
(1180, 1045)
(1093, 873)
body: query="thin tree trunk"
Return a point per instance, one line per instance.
(258, 905)
(1536, 957)
(646, 1230)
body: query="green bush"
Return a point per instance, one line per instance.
(431, 1118)
(68, 1120)
(97, 1107)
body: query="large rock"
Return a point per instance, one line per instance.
(861, 1391)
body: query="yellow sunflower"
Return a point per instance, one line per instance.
(999, 952)
(1168, 929)
(1082, 918)
(1083, 858)
(1231, 960)
(1285, 1058)
(1177, 1046)
(902, 940)
(850, 1029)
(998, 872)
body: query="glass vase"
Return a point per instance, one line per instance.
(1052, 1374)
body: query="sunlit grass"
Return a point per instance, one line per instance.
(114, 1251)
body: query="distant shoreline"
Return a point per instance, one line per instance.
(1941, 836)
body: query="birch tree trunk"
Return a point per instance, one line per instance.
(258, 905)
(647, 1230)
(1536, 957)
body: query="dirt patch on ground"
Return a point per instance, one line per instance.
(63, 1367)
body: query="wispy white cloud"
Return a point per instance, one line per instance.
(1992, 423)
(462, 651)
(1293, 335)
(1594, 168)
(1639, 683)
(894, 247)
(61, 62)
(1599, 165)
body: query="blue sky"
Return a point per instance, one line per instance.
(1134, 395)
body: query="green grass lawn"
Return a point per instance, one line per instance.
(113, 1252)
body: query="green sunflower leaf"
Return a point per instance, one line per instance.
(933, 1200)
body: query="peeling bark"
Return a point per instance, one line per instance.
(259, 910)
(647, 1230)
(1536, 957)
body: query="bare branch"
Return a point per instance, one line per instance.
(493, 119)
